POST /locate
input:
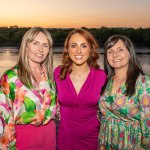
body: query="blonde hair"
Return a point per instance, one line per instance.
(24, 70)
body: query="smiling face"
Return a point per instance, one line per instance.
(118, 56)
(38, 49)
(78, 49)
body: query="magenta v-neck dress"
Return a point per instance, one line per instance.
(79, 126)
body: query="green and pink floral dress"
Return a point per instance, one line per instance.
(125, 121)
(22, 105)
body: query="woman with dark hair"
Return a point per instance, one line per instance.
(125, 101)
(79, 81)
(27, 97)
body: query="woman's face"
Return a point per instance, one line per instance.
(118, 56)
(38, 49)
(79, 50)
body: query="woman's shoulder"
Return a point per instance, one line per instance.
(10, 73)
(99, 71)
(99, 75)
(147, 77)
(143, 79)
(57, 72)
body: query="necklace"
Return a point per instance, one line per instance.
(81, 74)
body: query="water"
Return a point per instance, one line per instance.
(9, 56)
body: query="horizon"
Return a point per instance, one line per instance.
(16, 26)
(75, 13)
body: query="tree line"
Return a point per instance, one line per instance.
(12, 36)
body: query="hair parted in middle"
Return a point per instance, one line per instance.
(94, 55)
(24, 70)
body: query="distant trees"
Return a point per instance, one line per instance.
(12, 36)
(59, 35)
(140, 37)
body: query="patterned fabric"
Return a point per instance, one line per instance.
(22, 105)
(125, 122)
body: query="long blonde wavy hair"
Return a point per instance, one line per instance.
(24, 70)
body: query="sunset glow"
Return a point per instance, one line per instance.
(75, 13)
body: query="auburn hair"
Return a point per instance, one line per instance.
(94, 55)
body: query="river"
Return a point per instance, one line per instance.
(9, 56)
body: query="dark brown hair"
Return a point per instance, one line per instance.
(134, 67)
(94, 56)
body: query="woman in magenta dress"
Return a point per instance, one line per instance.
(79, 82)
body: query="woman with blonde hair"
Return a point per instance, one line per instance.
(79, 81)
(27, 98)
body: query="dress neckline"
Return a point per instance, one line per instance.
(110, 86)
(82, 87)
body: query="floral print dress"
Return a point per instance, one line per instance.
(125, 121)
(22, 105)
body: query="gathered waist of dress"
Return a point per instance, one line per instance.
(80, 113)
(118, 120)
(79, 108)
